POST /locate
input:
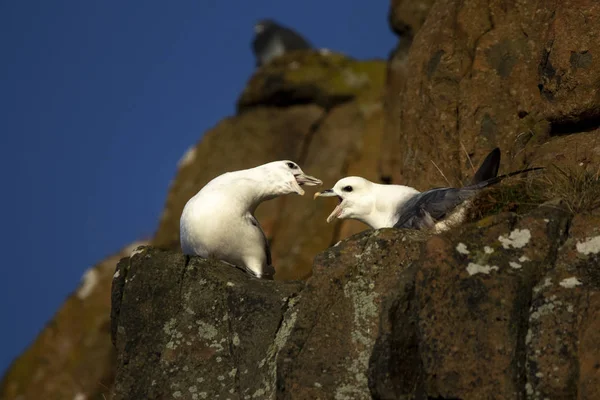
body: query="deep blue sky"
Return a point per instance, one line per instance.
(99, 100)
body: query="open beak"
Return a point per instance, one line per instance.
(325, 193)
(307, 180)
(303, 179)
(338, 209)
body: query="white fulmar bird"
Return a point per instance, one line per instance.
(398, 206)
(219, 223)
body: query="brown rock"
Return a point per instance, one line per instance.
(73, 356)
(397, 73)
(192, 329)
(562, 341)
(486, 75)
(331, 345)
(473, 292)
(406, 16)
(505, 308)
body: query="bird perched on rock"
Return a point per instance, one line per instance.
(398, 206)
(219, 222)
(272, 40)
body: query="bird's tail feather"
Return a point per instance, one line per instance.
(488, 168)
(496, 179)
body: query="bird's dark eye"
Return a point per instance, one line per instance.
(347, 188)
(292, 165)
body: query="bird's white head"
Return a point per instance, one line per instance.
(285, 177)
(356, 196)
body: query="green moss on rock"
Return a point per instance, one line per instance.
(300, 77)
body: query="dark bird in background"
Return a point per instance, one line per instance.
(272, 40)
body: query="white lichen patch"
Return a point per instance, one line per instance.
(523, 259)
(367, 251)
(236, 339)
(193, 389)
(547, 282)
(462, 248)
(529, 389)
(188, 157)
(515, 265)
(189, 311)
(570, 283)
(177, 394)
(169, 326)
(488, 250)
(137, 250)
(516, 239)
(528, 336)
(89, 282)
(206, 331)
(544, 309)
(365, 308)
(473, 269)
(230, 284)
(589, 246)
(174, 335)
(117, 274)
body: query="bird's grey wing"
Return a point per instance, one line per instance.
(425, 209)
(267, 249)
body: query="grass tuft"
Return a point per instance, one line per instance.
(579, 188)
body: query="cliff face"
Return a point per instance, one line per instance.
(386, 314)
(478, 74)
(506, 308)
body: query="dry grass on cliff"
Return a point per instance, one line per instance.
(579, 188)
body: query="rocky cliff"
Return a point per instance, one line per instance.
(506, 308)
(386, 314)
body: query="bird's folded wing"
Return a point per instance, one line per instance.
(424, 209)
